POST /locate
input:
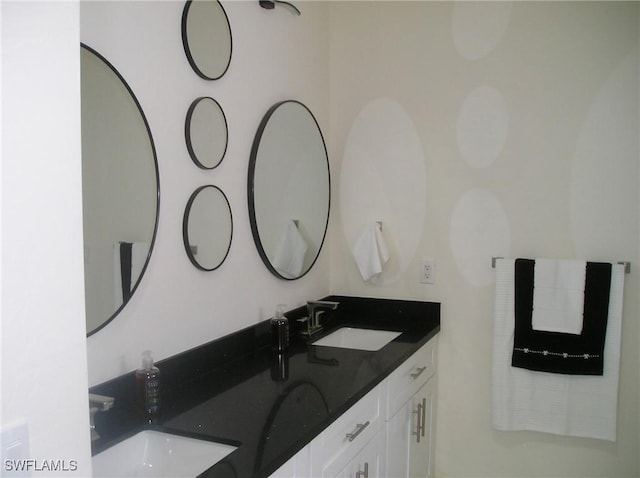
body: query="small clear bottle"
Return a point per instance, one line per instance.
(148, 387)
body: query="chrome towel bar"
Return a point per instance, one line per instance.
(627, 265)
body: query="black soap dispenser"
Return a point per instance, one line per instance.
(148, 388)
(280, 343)
(280, 330)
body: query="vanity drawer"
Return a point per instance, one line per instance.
(405, 381)
(343, 439)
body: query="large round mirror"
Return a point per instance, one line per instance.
(120, 189)
(206, 37)
(289, 189)
(207, 228)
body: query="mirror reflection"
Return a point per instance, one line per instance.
(207, 228)
(299, 407)
(120, 189)
(206, 37)
(289, 189)
(206, 133)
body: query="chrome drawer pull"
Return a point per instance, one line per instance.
(419, 422)
(419, 371)
(359, 427)
(365, 473)
(424, 414)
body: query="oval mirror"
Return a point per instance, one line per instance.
(206, 132)
(206, 37)
(289, 189)
(120, 189)
(207, 228)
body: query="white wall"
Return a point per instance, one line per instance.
(559, 68)
(520, 122)
(44, 374)
(276, 56)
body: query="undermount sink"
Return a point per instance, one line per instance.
(152, 453)
(356, 338)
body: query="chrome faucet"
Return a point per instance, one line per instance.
(314, 309)
(98, 403)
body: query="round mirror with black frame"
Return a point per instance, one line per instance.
(207, 228)
(289, 190)
(206, 132)
(206, 38)
(120, 189)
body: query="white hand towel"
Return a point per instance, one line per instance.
(370, 251)
(558, 295)
(289, 256)
(573, 405)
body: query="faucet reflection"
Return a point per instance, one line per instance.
(98, 403)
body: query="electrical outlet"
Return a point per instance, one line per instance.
(427, 271)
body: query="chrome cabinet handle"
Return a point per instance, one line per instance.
(420, 420)
(365, 473)
(424, 414)
(359, 427)
(418, 372)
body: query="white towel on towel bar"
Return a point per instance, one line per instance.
(558, 296)
(573, 405)
(370, 251)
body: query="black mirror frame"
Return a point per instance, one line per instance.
(157, 171)
(187, 50)
(251, 190)
(185, 229)
(187, 133)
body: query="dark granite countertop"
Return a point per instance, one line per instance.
(236, 390)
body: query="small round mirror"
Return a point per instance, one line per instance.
(289, 190)
(206, 133)
(207, 228)
(206, 37)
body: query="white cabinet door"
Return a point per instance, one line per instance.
(338, 444)
(399, 437)
(366, 464)
(410, 436)
(410, 376)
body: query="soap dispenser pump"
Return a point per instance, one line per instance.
(280, 330)
(148, 387)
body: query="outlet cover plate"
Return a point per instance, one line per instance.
(427, 271)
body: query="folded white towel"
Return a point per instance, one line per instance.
(290, 252)
(370, 251)
(573, 405)
(558, 296)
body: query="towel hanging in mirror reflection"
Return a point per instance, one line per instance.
(290, 251)
(370, 251)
